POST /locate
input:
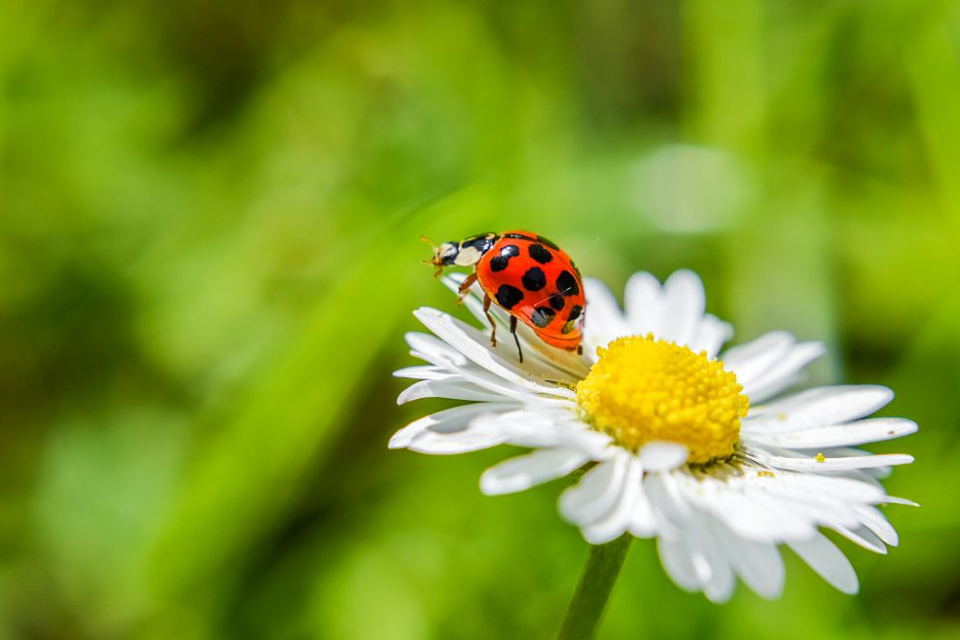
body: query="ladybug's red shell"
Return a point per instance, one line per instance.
(535, 281)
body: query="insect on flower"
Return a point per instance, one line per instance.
(528, 276)
(705, 450)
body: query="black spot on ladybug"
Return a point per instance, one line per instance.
(541, 255)
(534, 279)
(567, 284)
(508, 296)
(542, 316)
(575, 312)
(567, 327)
(547, 242)
(500, 262)
(556, 301)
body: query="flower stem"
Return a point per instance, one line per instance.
(593, 591)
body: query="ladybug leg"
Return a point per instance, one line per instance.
(513, 330)
(464, 290)
(493, 324)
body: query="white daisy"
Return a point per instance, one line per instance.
(683, 445)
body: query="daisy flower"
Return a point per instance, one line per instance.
(682, 443)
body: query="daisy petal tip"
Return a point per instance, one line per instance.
(909, 427)
(770, 592)
(568, 511)
(896, 459)
(491, 484)
(642, 530)
(719, 597)
(847, 583)
(643, 279)
(398, 441)
(598, 536)
(811, 351)
(684, 278)
(773, 595)
(878, 388)
(489, 487)
(411, 337)
(404, 396)
(903, 501)
(878, 395)
(420, 312)
(429, 316)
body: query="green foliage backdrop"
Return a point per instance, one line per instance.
(209, 222)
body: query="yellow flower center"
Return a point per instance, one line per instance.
(642, 390)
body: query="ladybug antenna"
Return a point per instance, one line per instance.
(436, 260)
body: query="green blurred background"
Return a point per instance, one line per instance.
(210, 215)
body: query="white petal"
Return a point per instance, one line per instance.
(874, 473)
(421, 372)
(476, 346)
(662, 456)
(718, 587)
(446, 444)
(668, 502)
(753, 358)
(617, 521)
(683, 308)
(604, 321)
(838, 464)
(545, 427)
(863, 537)
(806, 484)
(643, 522)
(826, 559)
(710, 336)
(643, 302)
(816, 510)
(903, 501)
(758, 564)
(698, 559)
(449, 420)
(873, 519)
(449, 390)
(770, 363)
(595, 494)
(752, 515)
(677, 562)
(523, 472)
(784, 373)
(819, 407)
(451, 431)
(851, 433)
(432, 349)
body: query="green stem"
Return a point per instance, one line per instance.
(593, 591)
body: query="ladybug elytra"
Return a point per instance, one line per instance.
(529, 277)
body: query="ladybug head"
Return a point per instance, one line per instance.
(443, 256)
(460, 254)
(447, 254)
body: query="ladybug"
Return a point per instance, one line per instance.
(526, 275)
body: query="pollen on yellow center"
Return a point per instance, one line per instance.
(642, 390)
